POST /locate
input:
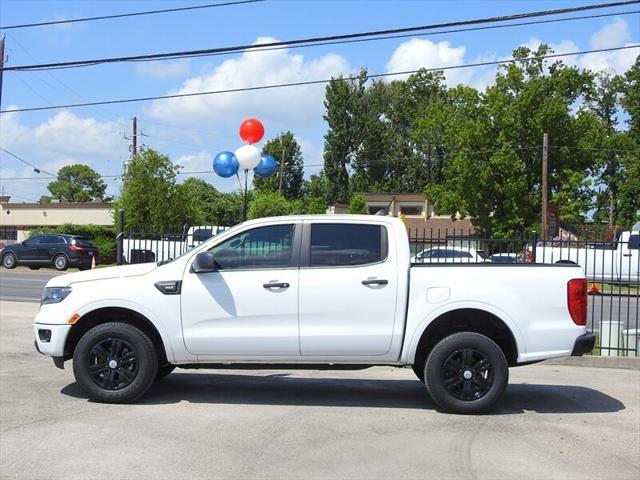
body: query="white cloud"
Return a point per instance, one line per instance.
(165, 69)
(63, 139)
(614, 34)
(278, 108)
(423, 53)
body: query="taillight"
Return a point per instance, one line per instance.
(577, 300)
(74, 248)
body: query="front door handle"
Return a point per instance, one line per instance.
(276, 285)
(375, 281)
(626, 254)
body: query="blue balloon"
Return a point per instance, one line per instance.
(266, 167)
(225, 164)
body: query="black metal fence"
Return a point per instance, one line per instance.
(611, 267)
(144, 247)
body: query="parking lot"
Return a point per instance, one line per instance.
(554, 422)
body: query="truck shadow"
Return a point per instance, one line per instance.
(282, 389)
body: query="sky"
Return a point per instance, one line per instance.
(192, 130)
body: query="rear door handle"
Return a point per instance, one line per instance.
(626, 254)
(375, 281)
(276, 285)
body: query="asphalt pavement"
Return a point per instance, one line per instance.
(24, 285)
(554, 422)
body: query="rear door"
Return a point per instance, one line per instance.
(628, 265)
(348, 290)
(49, 246)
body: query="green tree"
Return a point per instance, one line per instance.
(268, 204)
(150, 198)
(316, 206)
(200, 201)
(343, 103)
(76, 183)
(286, 150)
(358, 205)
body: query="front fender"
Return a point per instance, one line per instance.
(139, 309)
(411, 341)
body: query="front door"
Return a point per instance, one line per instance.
(348, 290)
(249, 306)
(29, 250)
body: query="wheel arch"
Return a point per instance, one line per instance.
(122, 314)
(466, 319)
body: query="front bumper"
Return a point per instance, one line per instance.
(583, 344)
(55, 346)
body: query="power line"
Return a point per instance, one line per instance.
(130, 14)
(316, 82)
(35, 169)
(371, 162)
(311, 40)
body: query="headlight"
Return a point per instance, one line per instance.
(54, 294)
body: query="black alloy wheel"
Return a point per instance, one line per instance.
(467, 374)
(113, 364)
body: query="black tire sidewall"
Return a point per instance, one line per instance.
(66, 262)
(435, 382)
(15, 260)
(145, 353)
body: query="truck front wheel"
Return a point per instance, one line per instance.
(466, 373)
(115, 363)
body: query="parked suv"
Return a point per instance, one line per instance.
(59, 251)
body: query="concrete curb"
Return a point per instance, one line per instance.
(629, 363)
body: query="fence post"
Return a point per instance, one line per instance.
(119, 236)
(534, 242)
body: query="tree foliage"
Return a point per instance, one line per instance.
(150, 198)
(76, 183)
(286, 150)
(479, 153)
(358, 205)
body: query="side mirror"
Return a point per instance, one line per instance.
(203, 263)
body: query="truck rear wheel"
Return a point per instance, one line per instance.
(466, 373)
(115, 363)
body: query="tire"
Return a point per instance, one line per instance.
(453, 382)
(82, 269)
(9, 261)
(60, 262)
(164, 370)
(34, 268)
(102, 356)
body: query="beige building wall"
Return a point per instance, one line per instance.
(23, 217)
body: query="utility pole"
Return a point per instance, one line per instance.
(1, 66)
(281, 169)
(134, 140)
(545, 186)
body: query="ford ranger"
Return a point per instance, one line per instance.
(335, 291)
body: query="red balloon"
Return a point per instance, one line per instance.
(252, 130)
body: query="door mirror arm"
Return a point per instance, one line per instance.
(204, 263)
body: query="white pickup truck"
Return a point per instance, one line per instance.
(335, 291)
(616, 262)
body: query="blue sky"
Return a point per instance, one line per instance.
(192, 131)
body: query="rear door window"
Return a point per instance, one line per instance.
(84, 242)
(634, 242)
(339, 244)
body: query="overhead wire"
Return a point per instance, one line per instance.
(371, 162)
(129, 14)
(311, 40)
(317, 82)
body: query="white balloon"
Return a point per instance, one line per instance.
(248, 157)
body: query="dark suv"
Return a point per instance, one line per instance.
(59, 251)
